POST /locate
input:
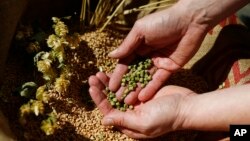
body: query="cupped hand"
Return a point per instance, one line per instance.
(147, 120)
(170, 37)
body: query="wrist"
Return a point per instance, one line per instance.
(185, 109)
(214, 111)
(196, 12)
(209, 13)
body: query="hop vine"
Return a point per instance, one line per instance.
(52, 65)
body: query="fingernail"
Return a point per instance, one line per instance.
(108, 122)
(112, 53)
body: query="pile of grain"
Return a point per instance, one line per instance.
(78, 118)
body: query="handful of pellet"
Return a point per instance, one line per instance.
(138, 75)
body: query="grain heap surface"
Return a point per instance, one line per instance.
(78, 118)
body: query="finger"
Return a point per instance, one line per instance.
(103, 78)
(129, 119)
(153, 86)
(130, 43)
(134, 134)
(120, 69)
(100, 100)
(119, 93)
(188, 45)
(162, 62)
(131, 98)
(116, 77)
(95, 81)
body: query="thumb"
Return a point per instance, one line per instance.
(130, 43)
(188, 46)
(127, 119)
(165, 63)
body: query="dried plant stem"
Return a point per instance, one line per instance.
(129, 11)
(93, 19)
(151, 6)
(88, 11)
(113, 14)
(155, 3)
(104, 8)
(83, 11)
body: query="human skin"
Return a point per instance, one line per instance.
(170, 37)
(174, 108)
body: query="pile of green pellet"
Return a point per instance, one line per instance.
(120, 105)
(138, 75)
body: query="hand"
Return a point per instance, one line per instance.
(147, 120)
(170, 37)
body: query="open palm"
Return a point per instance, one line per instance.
(150, 119)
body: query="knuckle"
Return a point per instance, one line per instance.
(120, 122)
(138, 26)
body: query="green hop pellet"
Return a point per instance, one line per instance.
(117, 103)
(149, 78)
(131, 107)
(137, 78)
(122, 109)
(141, 80)
(143, 85)
(111, 95)
(126, 91)
(114, 99)
(112, 103)
(125, 106)
(123, 84)
(127, 79)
